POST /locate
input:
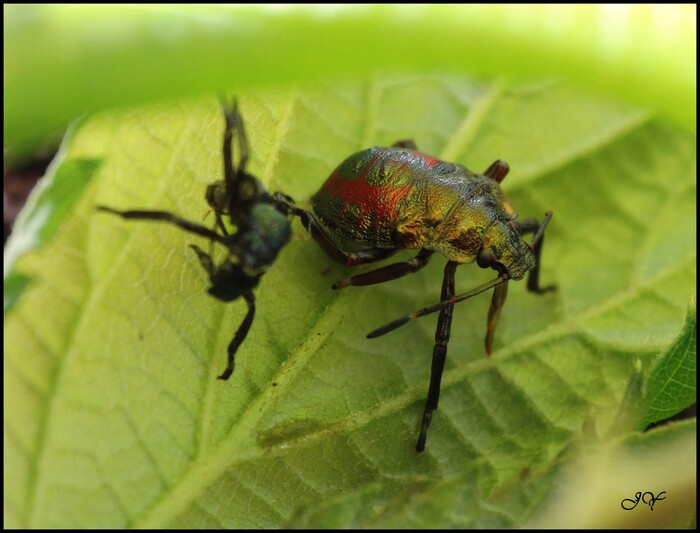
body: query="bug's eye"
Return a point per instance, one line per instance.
(486, 259)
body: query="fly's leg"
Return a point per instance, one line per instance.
(233, 176)
(240, 335)
(227, 149)
(243, 329)
(442, 337)
(216, 197)
(220, 224)
(283, 202)
(164, 216)
(205, 259)
(223, 196)
(531, 225)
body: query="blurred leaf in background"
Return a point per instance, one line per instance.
(114, 416)
(63, 61)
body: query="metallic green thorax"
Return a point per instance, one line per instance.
(253, 249)
(266, 234)
(400, 198)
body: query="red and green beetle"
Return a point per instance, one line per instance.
(385, 199)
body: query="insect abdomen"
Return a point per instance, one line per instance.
(368, 193)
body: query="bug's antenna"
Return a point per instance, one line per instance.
(395, 324)
(540, 230)
(391, 326)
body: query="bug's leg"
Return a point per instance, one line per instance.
(395, 324)
(240, 335)
(406, 143)
(164, 216)
(497, 171)
(234, 122)
(231, 187)
(242, 140)
(235, 176)
(205, 259)
(283, 202)
(220, 225)
(318, 234)
(388, 272)
(531, 225)
(442, 336)
(497, 300)
(218, 201)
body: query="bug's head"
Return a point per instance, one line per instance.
(238, 201)
(505, 251)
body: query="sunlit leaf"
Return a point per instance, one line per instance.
(671, 381)
(114, 416)
(63, 61)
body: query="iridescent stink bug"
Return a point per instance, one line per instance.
(383, 200)
(262, 229)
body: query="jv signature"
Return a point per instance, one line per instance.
(647, 498)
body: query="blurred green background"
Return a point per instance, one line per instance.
(113, 415)
(63, 61)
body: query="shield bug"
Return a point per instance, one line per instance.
(382, 200)
(262, 229)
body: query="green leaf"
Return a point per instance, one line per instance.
(64, 61)
(14, 285)
(50, 202)
(586, 491)
(670, 385)
(114, 416)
